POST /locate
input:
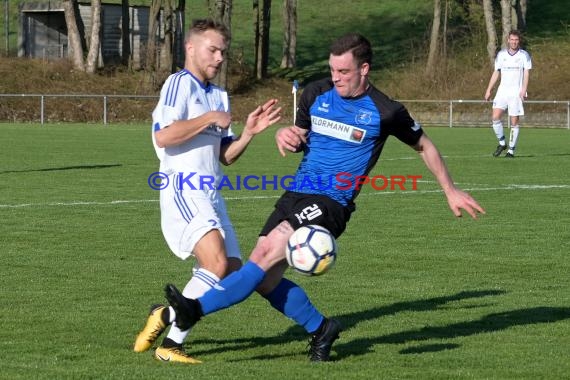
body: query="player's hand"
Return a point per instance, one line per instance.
(290, 139)
(487, 96)
(458, 200)
(263, 117)
(221, 119)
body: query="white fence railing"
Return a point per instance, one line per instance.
(477, 113)
(110, 108)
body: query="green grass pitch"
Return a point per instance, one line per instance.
(421, 294)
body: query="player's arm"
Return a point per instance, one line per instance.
(492, 82)
(456, 198)
(257, 121)
(526, 77)
(180, 131)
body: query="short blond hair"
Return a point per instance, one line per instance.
(200, 26)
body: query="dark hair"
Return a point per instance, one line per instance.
(357, 43)
(200, 26)
(515, 32)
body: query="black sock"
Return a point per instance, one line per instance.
(169, 343)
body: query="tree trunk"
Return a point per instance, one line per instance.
(506, 20)
(520, 9)
(434, 39)
(221, 11)
(126, 58)
(73, 37)
(179, 40)
(263, 57)
(289, 33)
(95, 40)
(150, 61)
(491, 32)
(444, 33)
(166, 55)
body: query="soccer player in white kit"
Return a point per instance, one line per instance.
(192, 135)
(512, 65)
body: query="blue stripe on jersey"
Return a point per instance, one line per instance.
(173, 86)
(183, 211)
(156, 127)
(207, 87)
(181, 203)
(343, 138)
(205, 278)
(346, 137)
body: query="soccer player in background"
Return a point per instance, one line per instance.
(192, 134)
(512, 65)
(341, 126)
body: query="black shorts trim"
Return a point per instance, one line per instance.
(304, 209)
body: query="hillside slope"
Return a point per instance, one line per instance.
(549, 81)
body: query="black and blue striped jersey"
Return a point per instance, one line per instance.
(346, 137)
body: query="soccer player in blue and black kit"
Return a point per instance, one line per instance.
(341, 127)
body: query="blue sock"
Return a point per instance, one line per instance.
(291, 300)
(232, 289)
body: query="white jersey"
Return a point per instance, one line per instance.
(184, 97)
(189, 209)
(512, 67)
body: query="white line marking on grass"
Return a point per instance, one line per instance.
(78, 203)
(85, 203)
(255, 197)
(506, 187)
(443, 156)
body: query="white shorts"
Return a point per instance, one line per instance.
(511, 102)
(188, 215)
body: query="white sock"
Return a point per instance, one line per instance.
(498, 128)
(200, 283)
(513, 138)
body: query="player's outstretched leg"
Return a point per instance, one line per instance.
(155, 325)
(188, 311)
(321, 343)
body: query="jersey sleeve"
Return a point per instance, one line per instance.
(405, 128)
(527, 64)
(498, 60)
(310, 93)
(173, 102)
(395, 119)
(172, 105)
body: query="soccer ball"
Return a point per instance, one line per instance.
(311, 250)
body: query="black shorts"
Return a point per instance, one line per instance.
(303, 209)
